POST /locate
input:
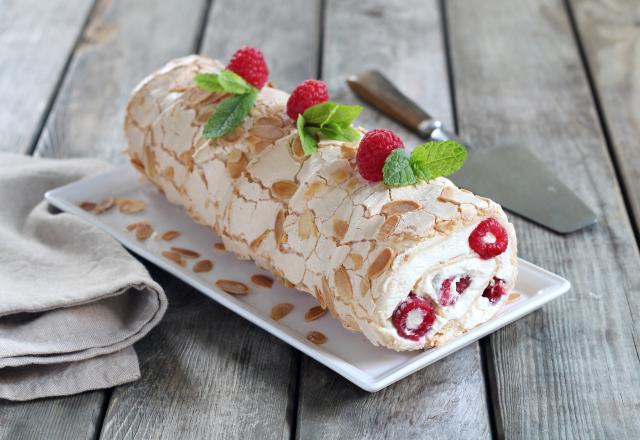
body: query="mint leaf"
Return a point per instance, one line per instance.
(316, 114)
(231, 82)
(208, 82)
(308, 141)
(229, 114)
(335, 132)
(397, 169)
(331, 113)
(437, 158)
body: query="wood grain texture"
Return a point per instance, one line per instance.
(610, 35)
(404, 40)
(36, 40)
(73, 417)
(570, 370)
(124, 42)
(206, 373)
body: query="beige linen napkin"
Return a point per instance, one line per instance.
(72, 300)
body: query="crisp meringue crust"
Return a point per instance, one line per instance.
(359, 248)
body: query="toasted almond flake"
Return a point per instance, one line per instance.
(88, 206)
(187, 253)
(314, 188)
(258, 145)
(137, 164)
(175, 257)
(316, 337)
(203, 266)
(307, 225)
(445, 226)
(278, 230)
(365, 286)
(400, 207)
(284, 189)
(314, 313)
(105, 205)
(269, 120)
(267, 132)
(353, 183)
(319, 297)
(357, 261)
(381, 263)
(236, 163)
(169, 235)
(262, 281)
(343, 284)
(219, 247)
(348, 152)
(130, 206)
(204, 114)
(169, 172)
(279, 311)
(288, 284)
(233, 287)
(255, 244)
(340, 175)
(296, 149)
(186, 157)
(144, 231)
(389, 225)
(340, 228)
(515, 296)
(235, 135)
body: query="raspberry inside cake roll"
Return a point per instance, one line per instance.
(409, 266)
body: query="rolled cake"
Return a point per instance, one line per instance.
(367, 252)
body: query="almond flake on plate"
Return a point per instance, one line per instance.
(279, 311)
(203, 266)
(314, 313)
(316, 337)
(233, 287)
(262, 281)
(187, 253)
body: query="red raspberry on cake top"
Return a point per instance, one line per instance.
(306, 94)
(374, 148)
(249, 63)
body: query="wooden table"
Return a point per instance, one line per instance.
(561, 77)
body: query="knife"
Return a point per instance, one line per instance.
(513, 177)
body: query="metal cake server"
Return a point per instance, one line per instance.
(513, 177)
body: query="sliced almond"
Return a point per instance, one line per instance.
(88, 206)
(137, 164)
(105, 205)
(233, 287)
(314, 188)
(284, 189)
(307, 225)
(365, 286)
(389, 225)
(144, 231)
(235, 135)
(262, 281)
(314, 313)
(340, 175)
(203, 266)
(168, 172)
(296, 149)
(344, 290)
(187, 253)
(319, 297)
(348, 152)
(270, 120)
(400, 207)
(353, 183)
(219, 247)
(513, 298)
(236, 163)
(175, 257)
(279, 311)
(340, 228)
(186, 157)
(255, 243)
(316, 337)
(278, 229)
(267, 132)
(130, 206)
(169, 235)
(357, 261)
(381, 263)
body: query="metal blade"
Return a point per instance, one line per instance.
(518, 180)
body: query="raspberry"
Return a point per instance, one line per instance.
(307, 94)
(249, 63)
(374, 148)
(495, 290)
(489, 239)
(406, 325)
(447, 298)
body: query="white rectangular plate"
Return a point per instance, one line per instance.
(349, 354)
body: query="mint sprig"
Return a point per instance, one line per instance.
(427, 161)
(327, 121)
(232, 111)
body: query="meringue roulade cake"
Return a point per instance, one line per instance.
(410, 266)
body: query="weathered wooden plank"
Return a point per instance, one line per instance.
(571, 369)
(206, 372)
(446, 400)
(124, 42)
(610, 35)
(36, 40)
